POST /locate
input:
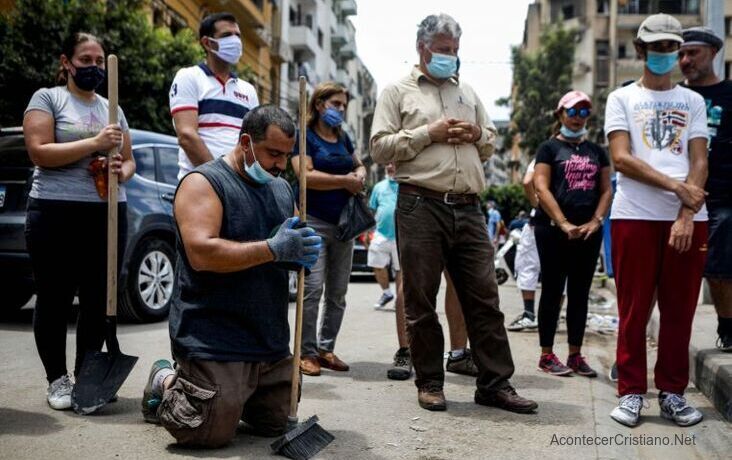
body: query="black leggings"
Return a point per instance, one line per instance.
(67, 242)
(565, 261)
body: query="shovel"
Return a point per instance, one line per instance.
(103, 373)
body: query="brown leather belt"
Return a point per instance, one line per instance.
(449, 198)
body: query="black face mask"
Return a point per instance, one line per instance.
(89, 78)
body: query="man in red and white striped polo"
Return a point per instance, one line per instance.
(208, 101)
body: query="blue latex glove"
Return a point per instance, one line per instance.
(295, 243)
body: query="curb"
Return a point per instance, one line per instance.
(709, 368)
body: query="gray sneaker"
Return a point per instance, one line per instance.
(674, 407)
(522, 322)
(383, 300)
(401, 369)
(59, 391)
(628, 410)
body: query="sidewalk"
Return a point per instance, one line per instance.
(709, 368)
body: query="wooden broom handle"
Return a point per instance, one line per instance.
(301, 274)
(112, 93)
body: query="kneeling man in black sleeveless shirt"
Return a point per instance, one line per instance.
(236, 236)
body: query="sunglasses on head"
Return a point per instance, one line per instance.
(584, 112)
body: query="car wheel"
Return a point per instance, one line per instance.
(151, 279)
(501, 275)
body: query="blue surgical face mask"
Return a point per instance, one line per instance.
(230, 48)
(661, 63)
(569, 134)
(332, 117)
(442, 66)
(256, 172)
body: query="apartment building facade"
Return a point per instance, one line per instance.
(322, 40)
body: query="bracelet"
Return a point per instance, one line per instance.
(600, 219)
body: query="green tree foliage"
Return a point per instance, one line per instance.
(510, 199)
(540, 79)
(30, 45)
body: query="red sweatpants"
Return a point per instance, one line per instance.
(645, 265)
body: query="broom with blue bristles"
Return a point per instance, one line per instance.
(302, 440)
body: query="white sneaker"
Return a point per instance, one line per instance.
(628, 410)
(59, 393)
(674, 407)
(522, 322)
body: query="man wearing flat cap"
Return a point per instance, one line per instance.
(696, 58)
(657, 132)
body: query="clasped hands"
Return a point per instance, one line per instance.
(579, 231)
(454, 131)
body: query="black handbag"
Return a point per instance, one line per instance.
(356, 218)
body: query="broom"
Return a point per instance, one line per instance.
(302, 441)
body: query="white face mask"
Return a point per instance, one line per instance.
(230, 48)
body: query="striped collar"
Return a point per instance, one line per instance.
(210, 73)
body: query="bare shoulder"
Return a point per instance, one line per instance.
(195, 193)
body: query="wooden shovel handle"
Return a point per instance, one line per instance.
(112, 93)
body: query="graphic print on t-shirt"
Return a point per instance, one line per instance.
(580, 172)
(663, 124)
(714, 119)
(87, 126)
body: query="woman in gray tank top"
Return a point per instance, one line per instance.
(67, 137)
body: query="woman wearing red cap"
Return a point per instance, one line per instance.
(572, 181)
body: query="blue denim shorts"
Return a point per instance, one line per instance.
(719, 257)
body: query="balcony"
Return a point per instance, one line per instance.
(281, 50)
(263, 35)
(304, 40)
(348, 51)
(633, 21)
(349, 8)
(339, 36)
(343, 78)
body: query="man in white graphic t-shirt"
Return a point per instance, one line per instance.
(658, 142)
(207, 101)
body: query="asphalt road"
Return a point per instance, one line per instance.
(370, 416)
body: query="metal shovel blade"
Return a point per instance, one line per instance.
(102, 375)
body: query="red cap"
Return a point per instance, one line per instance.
(573, 98)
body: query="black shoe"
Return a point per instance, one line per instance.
(463, 365)
(724, 343)
(613, 374)
(401, 369)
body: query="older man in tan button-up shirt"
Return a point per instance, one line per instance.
(401, 133)
(435, 129)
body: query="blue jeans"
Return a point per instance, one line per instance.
(331, 274)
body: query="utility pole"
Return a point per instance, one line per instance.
(714, 18)
(613, 39)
